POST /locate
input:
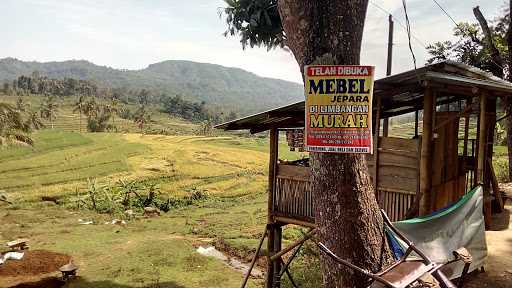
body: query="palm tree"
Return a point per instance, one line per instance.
(114, 110)
(79, 107)
(12, 127)
(33, 121)
(21, 105)
(48, 110)
(141, 117)
(91, 108)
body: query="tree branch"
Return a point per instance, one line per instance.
(495, 53)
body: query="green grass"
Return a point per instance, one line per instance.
(144, 253)
(63, 157)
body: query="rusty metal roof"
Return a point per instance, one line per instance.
(400, 94)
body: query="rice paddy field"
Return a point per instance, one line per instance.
(158, 251)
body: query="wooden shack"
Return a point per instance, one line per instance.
(448, 153)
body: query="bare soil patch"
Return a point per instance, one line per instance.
(34, 262)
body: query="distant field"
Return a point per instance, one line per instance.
(69, 121)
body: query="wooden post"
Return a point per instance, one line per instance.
(490, 116)
(477, 148)
(481, 140)
(255, 258)
(482, 156)
(425, 202)
(416, 122)
(278, 233)
(467, 109)
(376, 151)
(385, 125)
(272, 171)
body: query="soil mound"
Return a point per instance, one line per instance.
(34, 262)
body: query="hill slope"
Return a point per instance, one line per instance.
(217, 85)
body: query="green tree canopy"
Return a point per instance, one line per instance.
(257, 22)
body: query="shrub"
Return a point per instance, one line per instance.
(134, 195)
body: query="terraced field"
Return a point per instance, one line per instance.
(63, 157)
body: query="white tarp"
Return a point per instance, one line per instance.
(460, 225)
(11, 256)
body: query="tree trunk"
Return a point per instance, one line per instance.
(508, 102)
(347, 214)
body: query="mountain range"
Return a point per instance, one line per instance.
(218, 86)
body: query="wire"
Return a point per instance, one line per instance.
(457, 25)
(408, 23)
(399, 23)
(446, 13)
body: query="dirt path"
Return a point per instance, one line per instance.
(498, 270)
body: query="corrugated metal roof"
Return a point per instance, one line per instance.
(401, 93)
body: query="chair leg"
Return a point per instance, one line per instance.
(444, 282)
(464, 273)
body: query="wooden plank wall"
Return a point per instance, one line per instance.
(448, 178)
(398, 182)
(398, 174)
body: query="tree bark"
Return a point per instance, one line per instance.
(497, 68)
(508, 101)
(346, 210)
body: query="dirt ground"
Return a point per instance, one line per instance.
(32, 267)
(498, 269)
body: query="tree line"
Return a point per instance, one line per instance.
(177, 105)
(36, 84)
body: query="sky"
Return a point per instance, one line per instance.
(131, 34)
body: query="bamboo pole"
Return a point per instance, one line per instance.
(376, 151)
(293, 245)
(495, 188)
(425, 203)
(416, 122)
(481, 140)
(272, 171)
(482, 155)
(253, 262)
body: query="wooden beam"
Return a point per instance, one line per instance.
(466, 139)
(272, 172)
(293, 245)
(376, 151)
(496, 189)
(481, 156)
(425, 202)
(253, 262)
(292, 114)
(482, 141)
(295, 221)
(416, 122)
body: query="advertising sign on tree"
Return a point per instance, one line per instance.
(339, 108)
